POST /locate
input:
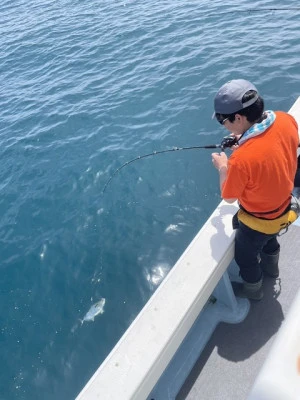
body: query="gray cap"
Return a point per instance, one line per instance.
(228, 100)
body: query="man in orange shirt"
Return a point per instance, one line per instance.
(260, 175)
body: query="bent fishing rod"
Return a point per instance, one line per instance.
(228, 141)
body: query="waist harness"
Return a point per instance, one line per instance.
(271, 226)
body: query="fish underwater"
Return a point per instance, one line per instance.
(97, 308)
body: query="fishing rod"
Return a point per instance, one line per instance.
(228, 141)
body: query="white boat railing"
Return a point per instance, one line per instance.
(138, 360)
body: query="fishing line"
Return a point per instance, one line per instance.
(227, 141)
(254, 10)
(230, 11)
(271, 9)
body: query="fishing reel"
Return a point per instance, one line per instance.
(228, 141)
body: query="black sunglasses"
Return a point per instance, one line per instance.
(222, 121)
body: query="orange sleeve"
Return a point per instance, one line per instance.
(235, 182)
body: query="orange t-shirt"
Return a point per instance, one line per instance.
(261, 171)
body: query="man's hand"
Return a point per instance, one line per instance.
(219, 160)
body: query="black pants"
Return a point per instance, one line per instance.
(249, 244)
(297, 177)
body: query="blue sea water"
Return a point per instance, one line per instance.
(85, 87)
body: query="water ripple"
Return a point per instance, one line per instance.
(85, 87)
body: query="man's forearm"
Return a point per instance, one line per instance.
(223, 176)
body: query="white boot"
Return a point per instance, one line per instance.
(253, 291)
(249, 290)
